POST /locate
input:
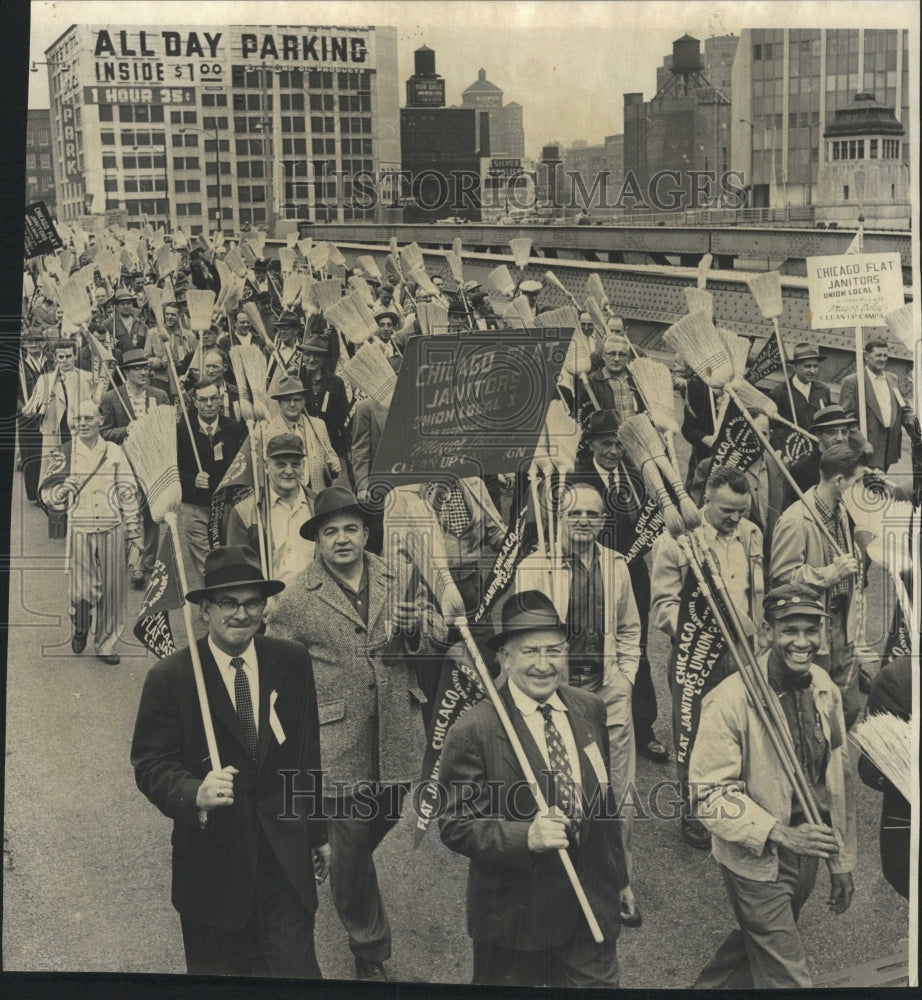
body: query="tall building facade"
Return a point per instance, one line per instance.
(507, 129)
(246, 124)
(39, 168)
(592, 174)
(788, 83)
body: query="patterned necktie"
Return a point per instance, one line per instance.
(452, 512)
(244, 705)
(560, 765)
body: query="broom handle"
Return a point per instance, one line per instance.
(527, 771)
(794, 426)
(584, 378)
(207, 723)
(110, 375)
(713, 409)
(182, 406)
(757, 699)
(784, 469)
(756, 683)
(784, 368)
(254, 447)
(862, 393)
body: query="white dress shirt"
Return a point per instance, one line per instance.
(535, 722)
(884, 400)
(229, 674)
(802, 387)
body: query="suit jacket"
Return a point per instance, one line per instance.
(214, 869)
(886, 441)
(517, 898)
(114, 404)
(28, 379)
(370, 418)
(230, 435)
(52, 402)
(804, 408)
(331, 406)
(128, 336)
(370, 702)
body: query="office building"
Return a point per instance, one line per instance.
(39, 169)
(507, 129)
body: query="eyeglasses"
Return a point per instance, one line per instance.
(228, 606)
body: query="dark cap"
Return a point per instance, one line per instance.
(603, 422)
(793, 599)
(285, 444)
(832, 416)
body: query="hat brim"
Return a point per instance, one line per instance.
(386, 315)
(269, 588)
(499, 640)
(809, 357)
(310, 528)
(829, 424)
(288, 395)
(307, 349)
(789, 610)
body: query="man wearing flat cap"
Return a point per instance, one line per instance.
(522, 913)
(355, 617)
(249, 838)
(767, 851)
(808, 393)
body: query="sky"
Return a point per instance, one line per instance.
(567, 63)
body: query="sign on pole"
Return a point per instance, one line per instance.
(853, 289)
(469, 405)
(41, 235)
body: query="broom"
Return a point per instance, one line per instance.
(290, 239)
(565, 317)
(433, 318)
(256, 374)
(286, 260)
(738, 351)
(521, 251)
(291, 289)
(500, 281)
(151, 449)
(73, 300)
(369, 372)
(244, 401)
(256, 320)
(411, 257)
(552, 279)
(165, 260)
(307, 280)
(578, 363)
(235, 263)
(766, 290)
(351, 317)
(752, 398)
(154, 297)
(392, 271)
(201, 308)
(456, 266)
(370, 266)
(595, 290)
(67, 262)
(361, 287)
(336, 258)
(518, 312)
(304, 246)
(654, 383)
(704, 266)
(698, 298)
(886, 741)
(902, 325)
(319, 257)
(597, 316)
(325, 294)
(422, 280)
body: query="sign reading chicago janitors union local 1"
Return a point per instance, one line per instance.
(854, 289)
(469, 405)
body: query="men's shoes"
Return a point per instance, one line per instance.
(370, 972)
(695, 835)
(111, 658)
(653, 750)
(865, 681)
(634, 919)
(78, 641)
(138, 580)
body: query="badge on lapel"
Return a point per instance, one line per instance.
(274, 723)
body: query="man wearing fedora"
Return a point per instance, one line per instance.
(321, 465)
(809, 395)
(831, 425)
(767, 851)
(886, 411)
(354, 616)
(387, 338)
(249, 838)
(623, 494)
(325, 394)
(285, 359)
(128, 332)
(119, 407)
(285, 507)
(522, 913)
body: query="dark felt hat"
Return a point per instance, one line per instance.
(315, 345)
(233, 566)
(525, 611)
(602, 423)
(332, 500)
(832, 416)
(806, 352)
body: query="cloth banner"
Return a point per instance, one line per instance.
(162, 596)
(737, 444)
(41, 235)
(765, 363)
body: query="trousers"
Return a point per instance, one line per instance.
(579, 963)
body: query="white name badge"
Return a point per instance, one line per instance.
(274, 723)
(219, 451)
(598, 765)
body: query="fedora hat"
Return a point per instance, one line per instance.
(288, 385)
(332, 500)
(135, 358)
(288, 318)
(123, 295)
(530, 287)
(314, 345)
(233, 566)
(806, 352)
(603, 422)
(832, 416)
(526, 611)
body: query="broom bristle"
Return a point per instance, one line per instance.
(552, 279)
(244, 401)
(73, 300)
(639, 439)
(351, 317)
(392, 270)
(887, 741)
(456, 266)
(319, 257)
(500, 280)
(411, 257)
(155, 299)
(595, 289)
(163, 260)
(423, 281)
(457, 244)
(336, 258)
(370, 266)
(737, 350)
(362, 288)
(654, 381)
(291, 289)
(698, 298)
(151, 449)
(201, 308)
(392, 246)
(704, 265)
(901, 324)
(562, 433)
(579, 355)
(696, 340)
(326, 294)
(67, 261)
(290, 239)
(596, 314)
(369, 372)
(433, 318)
(749, 397)
(766, 290)
(255, 318)
(255, 371)
(304, 246)
(564, 316)
(235, 262)
(521, 250)
(256, 240)
(286, 260)
(517, 310)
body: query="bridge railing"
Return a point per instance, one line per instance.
(717, 217)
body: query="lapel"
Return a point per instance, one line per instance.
(319, 580)
(379, 415)
(269, 673)
(380, 580)
(870, 397)
(222, 708)
(532, 753)
(584, 736)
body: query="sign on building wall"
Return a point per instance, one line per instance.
(853, 289)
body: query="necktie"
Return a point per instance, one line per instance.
(560, 765)
(244, 705)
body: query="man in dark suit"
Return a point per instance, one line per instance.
(33, 363)
(808, 394)
(248, 836)
(886, 411)
(522, 913)
(128, 332)
(215, 441)
(119, 407)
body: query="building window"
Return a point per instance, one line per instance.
(30, 161)
(845, 192)
(105, 112)
(131, 185)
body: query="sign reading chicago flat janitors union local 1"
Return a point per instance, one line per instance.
(174, 56)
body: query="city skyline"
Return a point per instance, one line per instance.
(537, 63)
